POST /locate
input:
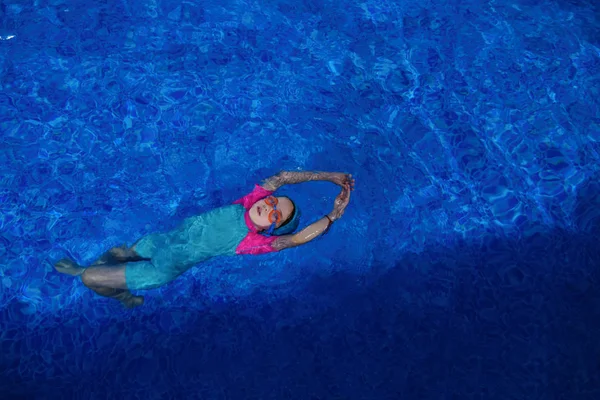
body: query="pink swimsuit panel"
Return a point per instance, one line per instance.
(254, 242)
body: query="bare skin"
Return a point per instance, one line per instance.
(106, 276)
(318, 228)
(259, 212)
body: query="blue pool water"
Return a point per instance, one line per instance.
(466, 266)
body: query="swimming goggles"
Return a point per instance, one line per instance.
(275, 214)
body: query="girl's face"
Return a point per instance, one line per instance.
(263, 213)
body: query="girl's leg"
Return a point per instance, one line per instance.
(118, 255)
(105, 281)
(105, 277)
(110, 282)
(124, 296)
(114, 256)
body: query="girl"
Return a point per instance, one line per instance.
(257, 223)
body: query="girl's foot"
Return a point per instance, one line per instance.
(69, 267)
(133, 301)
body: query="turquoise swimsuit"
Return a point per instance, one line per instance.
(223, 231)
(215, 233)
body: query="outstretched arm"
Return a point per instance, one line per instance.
(290, 177)
(315, 229)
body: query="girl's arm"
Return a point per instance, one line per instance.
(289, 177)
(315, 229)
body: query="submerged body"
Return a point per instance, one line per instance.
(224, 231)
(238, 228)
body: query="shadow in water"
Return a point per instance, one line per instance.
(509, 319)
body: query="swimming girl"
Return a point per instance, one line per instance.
(257, 223)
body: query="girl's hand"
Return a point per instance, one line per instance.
(341, 178)
(341, 202)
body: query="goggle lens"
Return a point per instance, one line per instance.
(271, 201)
(275, 216)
